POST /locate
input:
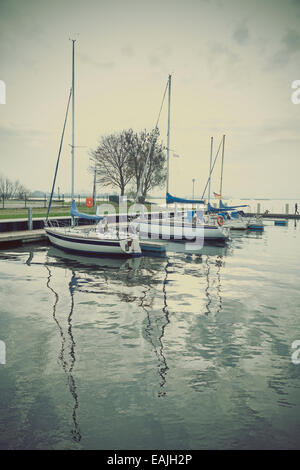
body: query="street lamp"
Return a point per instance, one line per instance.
(193, 186)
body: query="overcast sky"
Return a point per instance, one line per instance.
(232, 64)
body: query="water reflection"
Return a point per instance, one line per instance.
(63, 355)
(135, 273)
(156, 326)
(212, 259)
(143, 278)
(30, 257)
(213, 284)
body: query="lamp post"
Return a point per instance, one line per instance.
(193, 187)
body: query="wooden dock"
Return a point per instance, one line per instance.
(21, 236)
(269, 215)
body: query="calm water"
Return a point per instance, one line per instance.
(190, 351)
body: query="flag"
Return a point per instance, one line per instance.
(217, 196)
(175, 155)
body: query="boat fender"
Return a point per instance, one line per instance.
(128, 245)
(220, 220)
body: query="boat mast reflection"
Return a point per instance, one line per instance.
(153, 323)
(67, 368)
(213, 282)
(164, 325)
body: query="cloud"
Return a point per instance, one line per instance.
(279, 130)
(84, 58)
(159, 56)
(217, 50)
(16, 132)
(291, 40)
(290, 46)
(241, 35)
(128, 51)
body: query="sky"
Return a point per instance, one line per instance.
(232, 64)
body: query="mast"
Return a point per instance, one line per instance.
(168, 135)
(210, 161)
(58, 157)
(94, 188)
(221, 181)
(139, 192)
(73, 112)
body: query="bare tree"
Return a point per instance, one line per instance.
(10, 189)
(111, 159)
(147, 161)
(130, 157)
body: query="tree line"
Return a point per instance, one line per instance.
(12, 189)
(130, 161)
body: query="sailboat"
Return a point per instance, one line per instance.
(93, 240)
(227, 216)
(179, 226)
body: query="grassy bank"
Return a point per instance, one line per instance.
(22, 213)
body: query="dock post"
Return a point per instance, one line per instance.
(286, 208)
(29, 218)
(258, 208)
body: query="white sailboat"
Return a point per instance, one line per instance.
(226, 216)
(96, 240)
(178, 227)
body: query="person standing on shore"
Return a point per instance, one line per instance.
(296, 209)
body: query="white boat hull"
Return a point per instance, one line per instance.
(232, 224)
(93, 245)
(179, 231)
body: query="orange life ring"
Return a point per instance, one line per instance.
(220, 221)
(89, 202)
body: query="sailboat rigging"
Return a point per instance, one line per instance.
(178, 228)
(94, 241)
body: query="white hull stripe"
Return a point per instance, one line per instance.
(83, 240)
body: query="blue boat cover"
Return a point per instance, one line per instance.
(74, 213)
(223, 207)
(210, 208)
(171, 199)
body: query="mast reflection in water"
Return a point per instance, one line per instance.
(67, 358)
(161, 322)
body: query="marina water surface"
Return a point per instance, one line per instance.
(193, 350)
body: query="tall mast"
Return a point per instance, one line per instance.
(73, 112)
(168, 135)
(210, 161)
(94, 188)
(221, 181)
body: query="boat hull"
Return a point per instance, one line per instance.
(93, 246)
(159, 230)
